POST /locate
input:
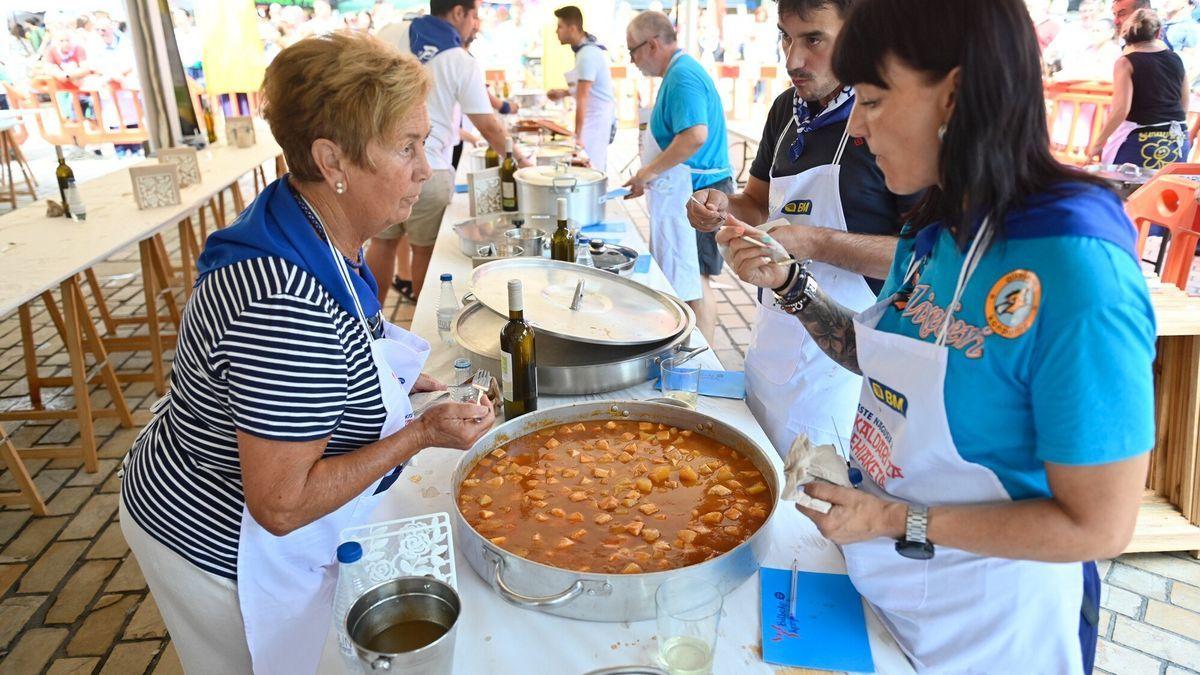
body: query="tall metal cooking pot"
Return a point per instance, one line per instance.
(607, 597)
(540, 187)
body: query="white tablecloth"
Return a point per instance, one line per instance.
(495, 637)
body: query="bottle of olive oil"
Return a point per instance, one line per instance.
(72, 203)
(508, 179)
(562, 243)
(518, 368)
(491, 158)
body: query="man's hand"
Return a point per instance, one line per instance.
(747, 260)
(637, 184)
(856, 515)
(557, 94)
(711, 216)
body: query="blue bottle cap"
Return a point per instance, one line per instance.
(462, 363)
(349, 552)
(447, 277)
(585, 240)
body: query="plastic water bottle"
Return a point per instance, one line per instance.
(583, 253)
(461, 390)
(351, 584)
(447, 309)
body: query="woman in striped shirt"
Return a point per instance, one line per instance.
(289, 416)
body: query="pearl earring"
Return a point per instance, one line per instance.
(941, 133)
(339, 187)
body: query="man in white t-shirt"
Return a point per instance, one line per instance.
(458, 89)
(590, 82)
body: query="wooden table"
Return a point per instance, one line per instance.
(749, 136)
(1170, 516)
(40, 254)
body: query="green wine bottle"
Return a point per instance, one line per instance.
(562, 243)
(518, 367)
(491, 158)
(508, 179)
(66, 183)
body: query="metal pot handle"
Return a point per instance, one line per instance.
(563, 184)
(547, 601)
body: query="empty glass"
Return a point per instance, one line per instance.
(688, 612)
(681, 382)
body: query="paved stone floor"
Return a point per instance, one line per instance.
(72, 599)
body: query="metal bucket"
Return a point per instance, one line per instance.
(399, 601)
(529, 239)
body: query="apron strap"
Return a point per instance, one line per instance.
(837, 158)
(778, 142)
(974, 254)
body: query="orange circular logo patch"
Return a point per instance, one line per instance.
(1013, 303)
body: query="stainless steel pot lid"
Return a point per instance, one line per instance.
(492, 226)
(613, 257)
(477, 329)
(613, 310)
(559, 176)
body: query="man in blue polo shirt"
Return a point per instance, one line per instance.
(683, 149)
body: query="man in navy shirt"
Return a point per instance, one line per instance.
(837, 212)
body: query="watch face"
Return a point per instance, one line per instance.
(915, 550)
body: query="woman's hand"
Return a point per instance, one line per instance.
(1094, 150)
(711, 216)
(747, 260)
(427, 383)
(856, 515)
(454, 425)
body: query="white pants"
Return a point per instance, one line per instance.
(200, 609)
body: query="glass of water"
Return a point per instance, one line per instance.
(688, 613)
(681, 382)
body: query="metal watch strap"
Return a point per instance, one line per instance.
(916, 523)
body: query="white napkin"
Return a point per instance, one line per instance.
(805, 463)
(774, 250)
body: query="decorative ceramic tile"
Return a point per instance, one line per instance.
(155, 186)
(483, 187)
(239, 132)
(188, 161)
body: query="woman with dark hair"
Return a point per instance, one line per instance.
(1007, 404)
(1147, 124)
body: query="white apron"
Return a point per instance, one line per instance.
(792, 387)
(599, 123)
(286, 584)
(957, 612)
(672, 239)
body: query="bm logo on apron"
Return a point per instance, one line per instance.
(798, 207)
(889, 397)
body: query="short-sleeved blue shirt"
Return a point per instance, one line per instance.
(687, 98)
(1050, 356)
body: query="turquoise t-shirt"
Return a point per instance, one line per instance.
(687, 97)
(1050, 356)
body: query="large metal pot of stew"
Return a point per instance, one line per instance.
(585, 509)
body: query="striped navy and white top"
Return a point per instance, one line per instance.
(265, 349)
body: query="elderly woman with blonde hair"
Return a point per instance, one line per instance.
(289, 413)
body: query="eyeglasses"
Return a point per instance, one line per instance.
(639, 46)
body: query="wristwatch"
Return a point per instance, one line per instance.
(914, 545)
(799, 289)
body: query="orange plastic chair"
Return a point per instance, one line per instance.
(1170, 200)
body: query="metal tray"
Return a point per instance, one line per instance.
(613, 311)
